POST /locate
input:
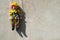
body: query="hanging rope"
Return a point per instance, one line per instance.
(22, 3)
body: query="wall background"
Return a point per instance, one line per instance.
(42, 20)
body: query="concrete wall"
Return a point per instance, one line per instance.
(42, 20)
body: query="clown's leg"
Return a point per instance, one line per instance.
(17, 23)
(13, 24)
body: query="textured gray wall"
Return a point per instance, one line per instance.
(42, 20)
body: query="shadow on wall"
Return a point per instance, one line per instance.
(22, 28)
